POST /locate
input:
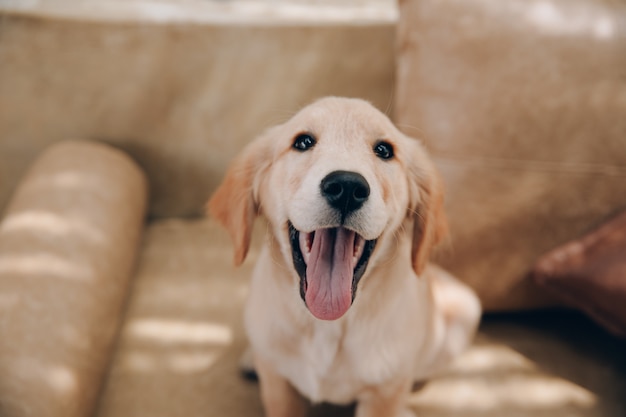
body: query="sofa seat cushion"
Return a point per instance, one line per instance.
(183, 337)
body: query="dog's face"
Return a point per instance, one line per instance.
(334, 181)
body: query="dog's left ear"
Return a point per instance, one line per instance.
(430, 225)
(235, 203)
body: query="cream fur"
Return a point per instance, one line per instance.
(407, 321)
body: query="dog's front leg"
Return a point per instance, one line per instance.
(385, 401)
(280, 398)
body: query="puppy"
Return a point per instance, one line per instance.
(343, 304)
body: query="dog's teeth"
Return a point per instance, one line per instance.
(305, 245)
(359, 244)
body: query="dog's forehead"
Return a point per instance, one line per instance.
(352, 118)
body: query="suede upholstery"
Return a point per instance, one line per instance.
(180, 99)
(182, 92)
(68, 245)
(522, 105)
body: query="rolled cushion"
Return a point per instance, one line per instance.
(589, 273)
(68, 244)
(522, 105)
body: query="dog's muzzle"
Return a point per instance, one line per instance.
(331, 260)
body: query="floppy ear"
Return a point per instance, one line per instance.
(235, 203)
(429, 221)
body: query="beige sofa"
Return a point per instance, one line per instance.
(117, 299)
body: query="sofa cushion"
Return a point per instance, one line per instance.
(68, 244)
(522, 105)
(590, 273)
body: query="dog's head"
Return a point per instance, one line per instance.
(335, 181)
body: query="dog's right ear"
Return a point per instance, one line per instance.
(235, 203)
(427, 209)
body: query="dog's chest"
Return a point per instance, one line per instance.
(334, 365)
(321, 368)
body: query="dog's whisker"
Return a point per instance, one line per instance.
(389, 104)
(412, 129)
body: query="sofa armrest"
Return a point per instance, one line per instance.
(68, 245)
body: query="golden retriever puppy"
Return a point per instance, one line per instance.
(343, 305)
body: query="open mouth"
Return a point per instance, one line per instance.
(330, 263)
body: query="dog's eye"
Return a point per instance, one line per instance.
(303, 142)
(383, 150)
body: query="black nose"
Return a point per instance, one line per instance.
(346, 191)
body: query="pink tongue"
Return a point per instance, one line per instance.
(329, 273)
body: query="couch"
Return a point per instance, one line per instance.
(118, 297)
